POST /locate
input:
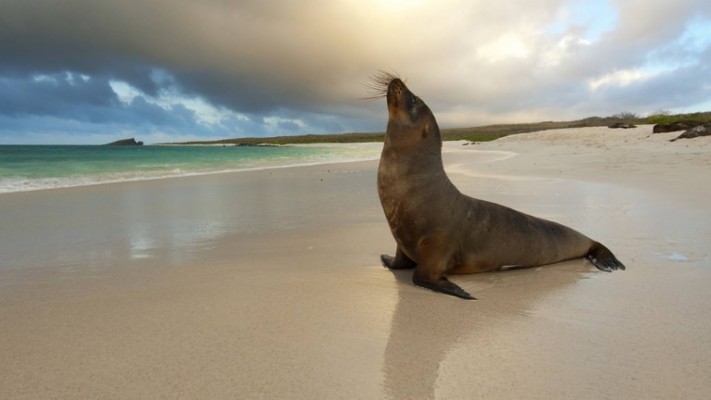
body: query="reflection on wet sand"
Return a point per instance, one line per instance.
(427, 326)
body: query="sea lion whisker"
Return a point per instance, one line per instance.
(378, 84)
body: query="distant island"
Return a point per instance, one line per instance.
(125, 142)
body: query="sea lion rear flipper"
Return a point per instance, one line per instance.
(603, 259)
(443, 285)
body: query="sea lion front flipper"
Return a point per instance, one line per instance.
(603, 259)
(443, 285)
(431, 270)
(400, 261)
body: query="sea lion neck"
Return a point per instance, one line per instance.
(423, 137)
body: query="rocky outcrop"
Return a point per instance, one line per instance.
(622, 125)
(676, 126)
(125, 142)
(701, 130)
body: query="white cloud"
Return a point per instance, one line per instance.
(584, 18)
(619, 78)
(44, 78)
(554, 55)
(205, 112)
(279, 125)
(125, 92)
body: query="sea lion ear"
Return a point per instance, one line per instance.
(425, 131)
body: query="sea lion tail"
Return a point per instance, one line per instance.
(603, 259)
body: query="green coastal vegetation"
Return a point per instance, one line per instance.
(664, 117)
(473, 134)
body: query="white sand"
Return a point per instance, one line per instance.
(267, 284)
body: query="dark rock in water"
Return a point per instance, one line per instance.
(622, 125)
(125, 142)
(677, 126)
(701, 130)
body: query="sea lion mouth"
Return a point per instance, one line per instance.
(390, 86)
(403, 105)
(396, 88)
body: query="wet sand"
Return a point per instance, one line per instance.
(267, 284)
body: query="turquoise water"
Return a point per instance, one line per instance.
(24, 168)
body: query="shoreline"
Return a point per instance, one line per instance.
(186, 175)
(555, 137)
(106, 178)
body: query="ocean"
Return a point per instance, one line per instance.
(25, 168)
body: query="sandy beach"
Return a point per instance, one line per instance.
(267, 284)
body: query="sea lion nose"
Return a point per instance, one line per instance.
(394, 92)
(395, 85)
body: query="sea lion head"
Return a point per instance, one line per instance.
(408, 116)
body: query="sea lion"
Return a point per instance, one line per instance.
(440, 231)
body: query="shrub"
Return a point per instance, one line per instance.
(625, 115)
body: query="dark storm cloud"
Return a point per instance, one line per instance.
(83, 99)
(57, 94)
(251, 56)
(81, 104)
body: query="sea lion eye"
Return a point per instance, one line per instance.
(413, 100)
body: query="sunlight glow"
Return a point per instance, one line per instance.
(397, 4)
(509, 45)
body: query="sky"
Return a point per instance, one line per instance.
(90, 71)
